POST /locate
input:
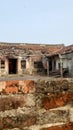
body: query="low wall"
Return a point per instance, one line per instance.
(40, 105)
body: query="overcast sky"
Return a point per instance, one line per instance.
(36, 21)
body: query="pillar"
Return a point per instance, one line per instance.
(30, 65)
(52, 65)
(19, 71)
(61, 65)
(6, 66)
(47, 67)
(0, 67)
(61, 68)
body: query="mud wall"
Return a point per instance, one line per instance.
(40, 105)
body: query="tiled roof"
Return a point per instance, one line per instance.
(63, 50)
(7, 49)
(67, 49)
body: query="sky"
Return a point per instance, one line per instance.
(36, 21)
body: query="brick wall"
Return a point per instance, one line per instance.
(40, 105)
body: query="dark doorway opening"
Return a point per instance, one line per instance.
(50, 65)
(12, 66)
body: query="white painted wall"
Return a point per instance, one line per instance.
(67, 63)
(57, 62)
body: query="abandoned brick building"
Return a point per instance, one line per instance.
(31, 59)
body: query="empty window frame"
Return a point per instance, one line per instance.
(23, 64)
(38, 64)
(2, 64)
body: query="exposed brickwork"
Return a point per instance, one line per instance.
(11, 122)
(56, 100)
(11, 102)
(36, 105)
(11, 87)
(28, 86)
(11, 90)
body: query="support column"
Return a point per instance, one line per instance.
(52, 65)
(0, 67)
(19, 71)
(47, 67)
(6, 67)
(30, 65)
(61, 66)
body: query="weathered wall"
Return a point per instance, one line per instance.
(68, 62)
(41, 105)
(4, 71)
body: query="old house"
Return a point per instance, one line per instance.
(66, 58)
(24, 59)
(61, 62)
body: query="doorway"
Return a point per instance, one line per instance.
(50, 65)
(12, 66)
